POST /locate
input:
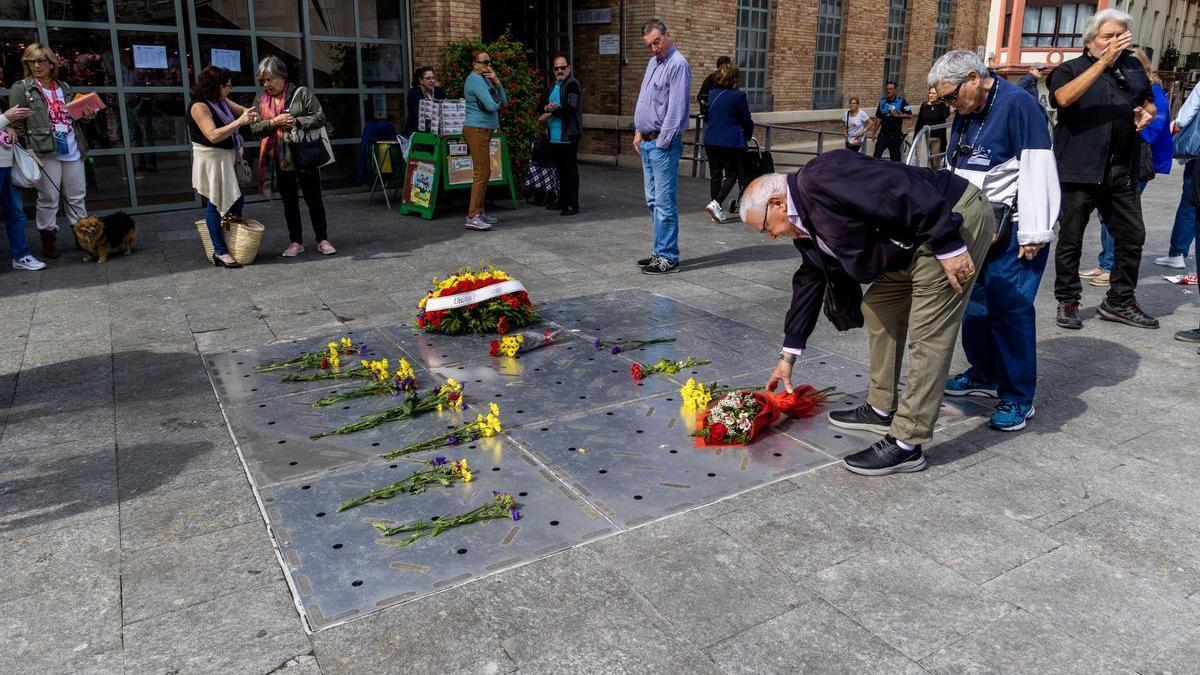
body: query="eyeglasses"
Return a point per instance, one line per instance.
(488, 62)
(953, 96)
(428, 77)
(766, 214)
(558, 68)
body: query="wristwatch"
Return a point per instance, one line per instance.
(787, 357)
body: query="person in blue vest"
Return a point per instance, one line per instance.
(561, 112)
(889, 120)
(1000, 142)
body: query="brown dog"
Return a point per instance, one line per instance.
(97, 236)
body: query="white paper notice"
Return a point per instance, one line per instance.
(229, 59)
(150, 56)
(610, 43)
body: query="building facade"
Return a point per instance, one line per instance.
(141, 56)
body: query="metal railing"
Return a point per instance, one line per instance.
(812, 142)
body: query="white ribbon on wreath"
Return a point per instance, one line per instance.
(473, 297)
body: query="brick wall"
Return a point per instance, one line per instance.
(436, 22)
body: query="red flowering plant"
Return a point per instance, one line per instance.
(522, 83)
(462, 303)
(739, 416)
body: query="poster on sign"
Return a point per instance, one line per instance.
(461, 171)
(419, 190)
(229, 59)
(150, 56)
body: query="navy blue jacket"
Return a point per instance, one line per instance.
(1029, 83)
(729, 124)
(872, 214)
(413, 104)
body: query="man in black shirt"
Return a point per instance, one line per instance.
(1103, 99)
(889, 119)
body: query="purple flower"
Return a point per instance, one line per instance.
(362, 348)
(615, 349)
(597, 344)
(439, 461)
(452, 440)
(515, 514)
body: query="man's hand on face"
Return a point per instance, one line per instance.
(959, 270)
(1115, 48)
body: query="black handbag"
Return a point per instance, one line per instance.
(306, 146)
(843, 300)
(757, 161)
(1003, 215)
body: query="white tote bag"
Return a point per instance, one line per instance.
(26, 168)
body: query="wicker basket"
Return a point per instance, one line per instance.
(242, 238)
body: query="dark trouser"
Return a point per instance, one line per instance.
(999, 328)
(287, 182)
(566, 162)
(892, 142)
(725, 167)
(851, 146)
(1121, 208)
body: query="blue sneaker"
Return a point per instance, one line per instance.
(1011, 416)
(963, 385)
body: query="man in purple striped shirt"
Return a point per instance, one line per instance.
(659, 120)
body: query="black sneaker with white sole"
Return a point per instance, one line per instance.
(885, 457)
(642, 262)
(862, 418)
(660, 266)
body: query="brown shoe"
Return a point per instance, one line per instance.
(49, 243)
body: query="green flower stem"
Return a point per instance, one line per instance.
(305, 360)
(461, 433)
(377, 388)
(413, 405)
(413, 485)
(358, 370)
(432, 528)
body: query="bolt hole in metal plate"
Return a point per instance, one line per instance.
(326, 555)
(236, 382)
(622, 460)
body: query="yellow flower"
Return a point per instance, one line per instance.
(494, 409)
(466, 476)
(334, 361)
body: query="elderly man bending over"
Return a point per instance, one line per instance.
(916, 236)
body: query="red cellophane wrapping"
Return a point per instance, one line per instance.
(801, 402)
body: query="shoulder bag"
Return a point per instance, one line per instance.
(26, 168)
(309, 147)
(842, 303)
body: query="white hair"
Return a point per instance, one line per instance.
(1102, 17)
(760, 190)
(955, 66)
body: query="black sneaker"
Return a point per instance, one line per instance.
(1130, 315)
(1192, 335)
(642, 262)
(1068, 316)
(885, 457)
(863, 418)
(660, 266)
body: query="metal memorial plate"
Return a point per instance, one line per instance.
(637, 462)
(545, 384)
(233, 373)
(604, 314)
(274, 434)
(343, 569)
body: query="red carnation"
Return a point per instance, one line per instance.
(513, 302)
(494, 350)
(636, 371)
(324, 363)
(420, 321)
(502, 325)
(716, 432)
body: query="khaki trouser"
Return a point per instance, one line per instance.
(478, 144)
(919, 304)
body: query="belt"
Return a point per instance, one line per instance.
(649, 135)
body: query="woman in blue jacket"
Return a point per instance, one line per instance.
(484, 97)
(728, 127)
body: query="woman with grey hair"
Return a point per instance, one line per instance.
(1000, 142)
(287, 109)
(1103, 99)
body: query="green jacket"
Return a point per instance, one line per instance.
(308, 113)
(35, 132)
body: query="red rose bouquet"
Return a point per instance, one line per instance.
(479, 300)
(739, 416)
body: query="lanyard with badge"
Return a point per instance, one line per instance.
(60, 119)
(1002, 213)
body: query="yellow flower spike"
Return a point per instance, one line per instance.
(495, 409)
(439, 409)
(466, 476)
